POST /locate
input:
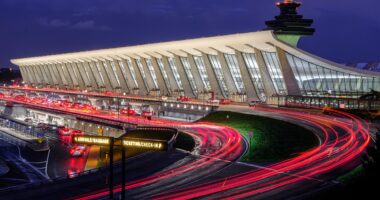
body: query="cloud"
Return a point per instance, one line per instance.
(80, 25)
(54, 23)
(89, 25)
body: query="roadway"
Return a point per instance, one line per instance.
(343, 138)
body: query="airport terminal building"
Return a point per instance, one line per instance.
(239, 67)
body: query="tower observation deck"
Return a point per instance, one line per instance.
(289, 26)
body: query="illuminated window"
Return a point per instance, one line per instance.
(319, 81)
(61, 74)
(85, 70)
(152, 72)
(187, 67)
(140, 66)
(275, 72)
(235, 71)
(254, 72)
(130, 67)
(100, 72)
(115, 72)
(175, 72)
(219, 73)
(202, 72)
(163, 72)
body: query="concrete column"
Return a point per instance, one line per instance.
(250, 88)
(70, 72)
(160, 77)
(78, 75)
(32, 75)
(149, 78)
(37, 75)
(24, 75)
(68, 77)
(169, 72)
(268, 84)
(288, 74)
(56, 78)
(105, 75)
(227, 74)
(182, 74)
(44, 80)
(111, 75)
(127, 74)
(82, 73)
(61, 74)
(123, 83)
(97, 74)
(87, 69)
(215, 87)
(194, 71)
(142, 87)
(47, 74)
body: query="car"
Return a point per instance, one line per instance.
(21, 98)
(213, 101)
(78, 151)
(64, 131)
(28, 120)
(147, 114)
(2, 95)
(73, 172)
(43, 126)
(127, 111)
(225, 101)
(183, 98)
(254, 102)
(77, 132)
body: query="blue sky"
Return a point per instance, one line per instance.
(347, 30)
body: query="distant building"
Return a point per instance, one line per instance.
(240, 67)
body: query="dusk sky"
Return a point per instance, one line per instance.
(346, 30)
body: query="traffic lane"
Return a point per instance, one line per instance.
(137, 168)
(222, 169)
(212, 140)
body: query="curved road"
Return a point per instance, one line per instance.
(343, 138)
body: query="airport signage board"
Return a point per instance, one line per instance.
(89, 139)
(157, 145)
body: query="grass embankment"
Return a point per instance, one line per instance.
(272, 140)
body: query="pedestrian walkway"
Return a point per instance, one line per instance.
(18, 134)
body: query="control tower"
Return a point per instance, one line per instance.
(289, 26)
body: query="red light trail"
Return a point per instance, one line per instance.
(342, 141)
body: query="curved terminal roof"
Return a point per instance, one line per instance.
(244, 42)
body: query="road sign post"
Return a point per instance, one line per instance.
(111, 167)
(123, 173)
(147, 144)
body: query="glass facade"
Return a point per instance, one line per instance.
(315, 80)
(140, 66)
(163, 72)
(175, 72)
(254, 73)
(113, 67)
(100, 73)
(189, 75)
(133, 73)
(152, 72)
(202, 72)
(235, 72)
(215, 63)
(85, 70)
(272, 63)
